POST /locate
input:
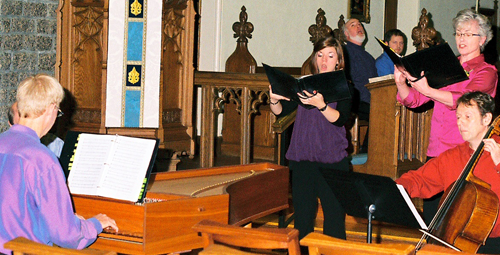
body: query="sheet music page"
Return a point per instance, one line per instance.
(92, 151)
(410, 204)
(127, 169)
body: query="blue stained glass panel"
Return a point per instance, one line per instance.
(134, 44)
(132, 108)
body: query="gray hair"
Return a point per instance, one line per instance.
(37, 92)
(468, 15)
(344, 27)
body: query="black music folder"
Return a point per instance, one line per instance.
(358, 191)
(332, 85)
(439, 63)
(111, 166)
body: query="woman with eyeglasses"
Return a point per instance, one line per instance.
(472, 33)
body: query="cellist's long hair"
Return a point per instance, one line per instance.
(328, 41)
(484, 102)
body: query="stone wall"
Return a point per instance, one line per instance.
(28, 32)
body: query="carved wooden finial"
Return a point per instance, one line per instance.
(242, 61)
(320, 29)
(422, 35)
(243, 29)
(338, 32)
(341, 22)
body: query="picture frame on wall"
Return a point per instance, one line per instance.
(359, 9)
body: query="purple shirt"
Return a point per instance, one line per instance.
(444, 130)
(315, 139)
(34, 200)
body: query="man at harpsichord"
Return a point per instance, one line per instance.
(474, 115)
(34, 200)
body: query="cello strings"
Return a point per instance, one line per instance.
(454, 191)
(443, 209)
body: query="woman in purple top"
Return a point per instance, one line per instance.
(34, 200)
(472, 33)
(318, 144)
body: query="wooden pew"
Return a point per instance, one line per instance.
(322, 244)
(214, 233)
(21, 246)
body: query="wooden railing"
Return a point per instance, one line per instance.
(398, 136)
(247, 91)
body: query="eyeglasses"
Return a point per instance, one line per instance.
(466, 35)
(59, 113)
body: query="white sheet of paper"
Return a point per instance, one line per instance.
(410, 204)
(87, 167)
(110, 166)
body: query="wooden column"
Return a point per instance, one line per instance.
(390, 15)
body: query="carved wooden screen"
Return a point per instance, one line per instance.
(81, 50)
(81, 67)
(261, 140)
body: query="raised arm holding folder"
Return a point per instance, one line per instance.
(439, 64)
(332, 85)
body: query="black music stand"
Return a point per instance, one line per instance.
(372, 197)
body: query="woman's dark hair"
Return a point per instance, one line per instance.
(328, 41)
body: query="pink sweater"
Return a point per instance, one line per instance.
(444, 131)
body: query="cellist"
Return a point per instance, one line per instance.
(474, 115)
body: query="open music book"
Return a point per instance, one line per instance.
(439, 64)
(110, 165)
(332, 85)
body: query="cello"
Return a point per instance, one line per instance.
(468, 209)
